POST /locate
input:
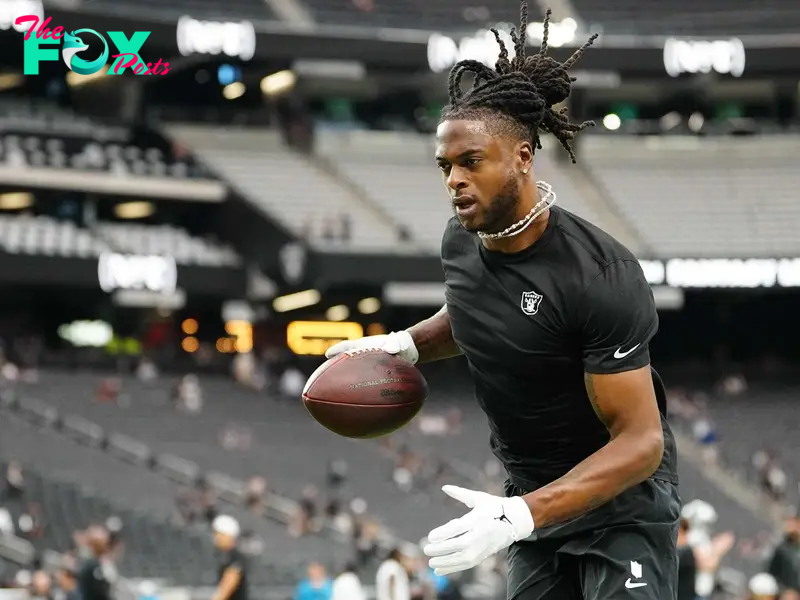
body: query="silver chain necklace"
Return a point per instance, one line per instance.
(548, 199)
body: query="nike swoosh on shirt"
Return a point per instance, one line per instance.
(620, 354)
(632, 586)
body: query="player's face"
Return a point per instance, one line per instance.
(480, 174)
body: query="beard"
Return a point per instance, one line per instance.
(501, 211)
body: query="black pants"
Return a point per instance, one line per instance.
(625, 549)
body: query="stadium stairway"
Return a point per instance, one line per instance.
(288, 448)
(145, 502)
(291, 188)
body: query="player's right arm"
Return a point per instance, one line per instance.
(427, 341)
(433, 338)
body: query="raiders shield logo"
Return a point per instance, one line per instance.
(530, 302)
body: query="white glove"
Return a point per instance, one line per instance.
(398, 342)
(493, 524)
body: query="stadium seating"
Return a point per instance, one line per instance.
(51, 237)
(681, 17)
(207, 9)
(44, 135)
(772, 412)
(166, 240)
(121, 159)
(399, 172)
(145, 413)
(78, 485)
(703, 197)
(149, 417)
(439, 15)
(288, 186)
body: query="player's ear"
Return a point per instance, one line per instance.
(524, 156)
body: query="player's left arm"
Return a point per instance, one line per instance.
(616, 320)
(231, 578)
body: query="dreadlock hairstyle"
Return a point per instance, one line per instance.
(523, 89)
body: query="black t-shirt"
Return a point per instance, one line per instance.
(236, 560)
(92, 581)
(784, 565)
(531, 323)
(687, 573)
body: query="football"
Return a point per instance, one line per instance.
(365, 394)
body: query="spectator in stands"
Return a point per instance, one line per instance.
(772, 477)
(307, 518)
(762, 587)
(108, 390)
(784, 565)
(189, 394)
(31, 522)
(338, 519)
(317, 586)
(328, 233)
(147, 591)
(347, 586)
(366, 541)
(346, 225)
(232, 577)
(235, 437)
(67, 581)
(14, 481)
(114, 527)
(146, 370)
(336, 475)
(41, 586)
(687, 564)
(292, 383)
(206, 501)
(6, 523)
(97, 573)
(255, 495)
(705, 434)
(393, 581)
(699, 518)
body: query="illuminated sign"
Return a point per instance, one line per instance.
(725, 57)
(92, 334)
(313, 338)
(723, 272)
(11, 9)
(132, 272)
(242, 332)
(444, 51)
(215, 38)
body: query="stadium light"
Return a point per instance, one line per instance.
(612, 122)
(134, 210)
(15, 201)
(10, 80)
(696, 122)
(189, 326)
(296, 301)
(369, 306)
(337, 313)
(278, 83)
(75, 80)
(234, 90)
